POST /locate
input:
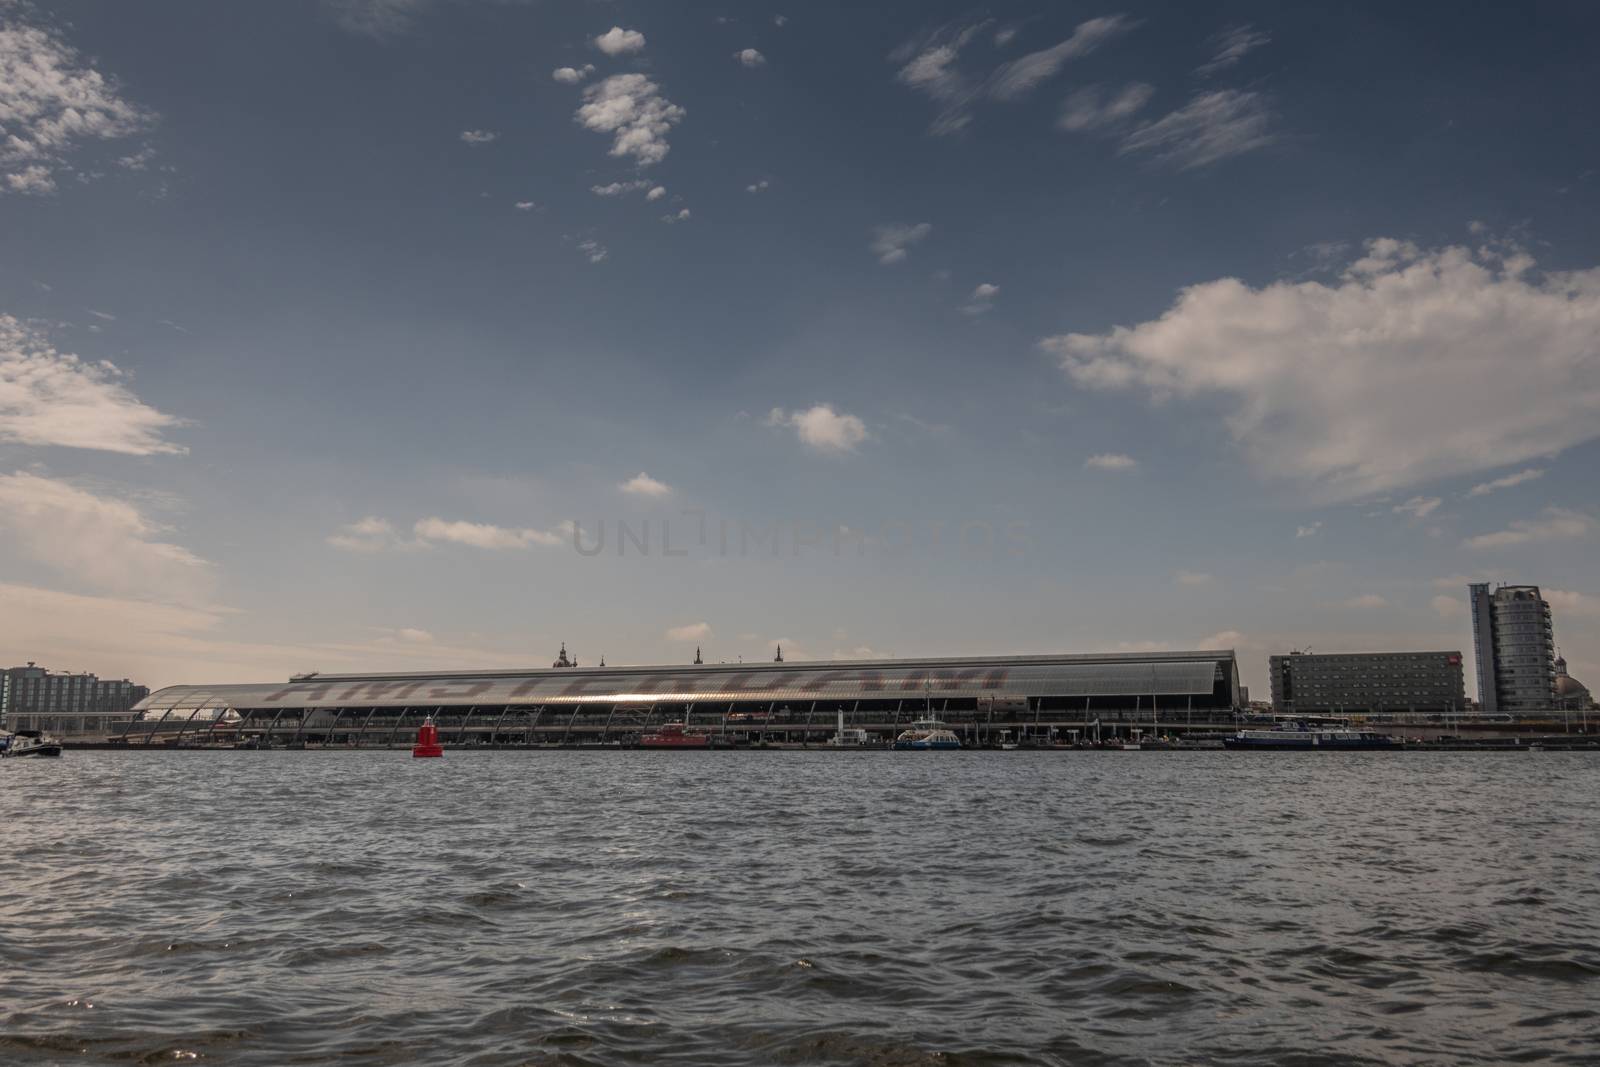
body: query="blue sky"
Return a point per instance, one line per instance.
(321, 324)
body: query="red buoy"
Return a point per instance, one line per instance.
(427, 740)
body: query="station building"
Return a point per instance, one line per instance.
(778, 700)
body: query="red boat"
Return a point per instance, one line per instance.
(673, 735)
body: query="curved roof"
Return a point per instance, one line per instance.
(1122, 674)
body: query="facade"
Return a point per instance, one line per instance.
(791, 700)
(1514, 639)
(32, 698)
(1571, 694)
(1367, 683)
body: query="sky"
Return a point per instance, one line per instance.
(414, 334)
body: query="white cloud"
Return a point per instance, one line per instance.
(51, 103)
(689, 631)
(1022, 76)
(593, 251)
(757, 187)
(1307, 531)
(1448, 607)
(780, 21)
(889, 243)
(1557, 524)
(619, 188)
(370, 534)
(525, 205)
(982, 299)
(1209, 128)
(1230, 46)
(631, 108)
(416, 637)
(477, 137)
(821, 428)
(750, 57)
(1418, 507)
(1485, 488)
(54, 398)
(656, 194)
(1222, 639)
(1366, 601)
(682, 215)
(1566, 604)
(1110, 461)
(1094, 108)
(620, 42)
(1412, 366)
(483, 535)
(572, 75)
(1192, 578)
(103, 543)
(642, 484)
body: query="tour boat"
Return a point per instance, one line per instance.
(926, 734)
(28, 743)
(674, 735)
(1304, 736)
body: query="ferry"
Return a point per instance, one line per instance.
(28, 743)
(926, 734)
(1301, 735)
(674, 735)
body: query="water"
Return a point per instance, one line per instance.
(800, 908)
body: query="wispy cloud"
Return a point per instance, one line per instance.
(689, 631)
(1555, 524)
(1496, 484)
(478, 137)
(48, 397)
(593, 250)
(1367, 601)
(1208, 129)
(1110, 461)
(891, 243)
(1022, 76)
(1307, 531)
(619, 188)
(749, 57)
(1230, 46)
(1094, 107)
(1418, 507)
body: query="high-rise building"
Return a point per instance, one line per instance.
(1367, 682)
(1515, 643)
(32, 698)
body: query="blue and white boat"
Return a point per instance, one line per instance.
(926, 734)
(1302, 736)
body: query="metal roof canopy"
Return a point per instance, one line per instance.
(1110, 674)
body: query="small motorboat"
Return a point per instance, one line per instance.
(29, 743)
(926, 734)
(675, 735)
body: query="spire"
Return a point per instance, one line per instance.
(779, 657)
(562, 660)
(602, 659)
(697, 658)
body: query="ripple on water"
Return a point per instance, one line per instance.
(806, 908)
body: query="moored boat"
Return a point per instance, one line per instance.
(675, 735)
(1301, 736)
(926, 734)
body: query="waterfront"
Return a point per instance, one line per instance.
(741, 908)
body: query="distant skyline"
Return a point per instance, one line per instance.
(891, 330)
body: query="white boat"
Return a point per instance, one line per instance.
(849, 737)
(927, 734)
(29, 743)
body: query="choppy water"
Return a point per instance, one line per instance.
(800, 908)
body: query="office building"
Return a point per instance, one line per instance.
(1367, 683)
(32, 698)
(1514, 640)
